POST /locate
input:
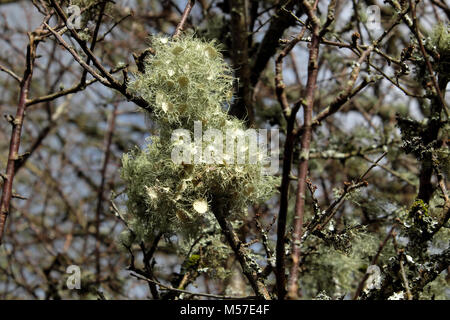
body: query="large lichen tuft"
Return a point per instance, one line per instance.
(185, 82)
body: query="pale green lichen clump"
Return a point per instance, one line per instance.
(186, 80)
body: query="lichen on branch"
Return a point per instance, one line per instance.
(186, 80)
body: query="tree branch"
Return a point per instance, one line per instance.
(187, 10)
(17, 123)
(249, 266)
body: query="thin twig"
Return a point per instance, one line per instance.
(400, 255)
(427, 61)
(101, 190)
(209, 295)
(17, 123)
(187, 10)
(11, 73)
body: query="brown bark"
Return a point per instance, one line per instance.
(17, 123)
(313, 69)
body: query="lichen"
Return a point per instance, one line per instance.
(187, 82)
